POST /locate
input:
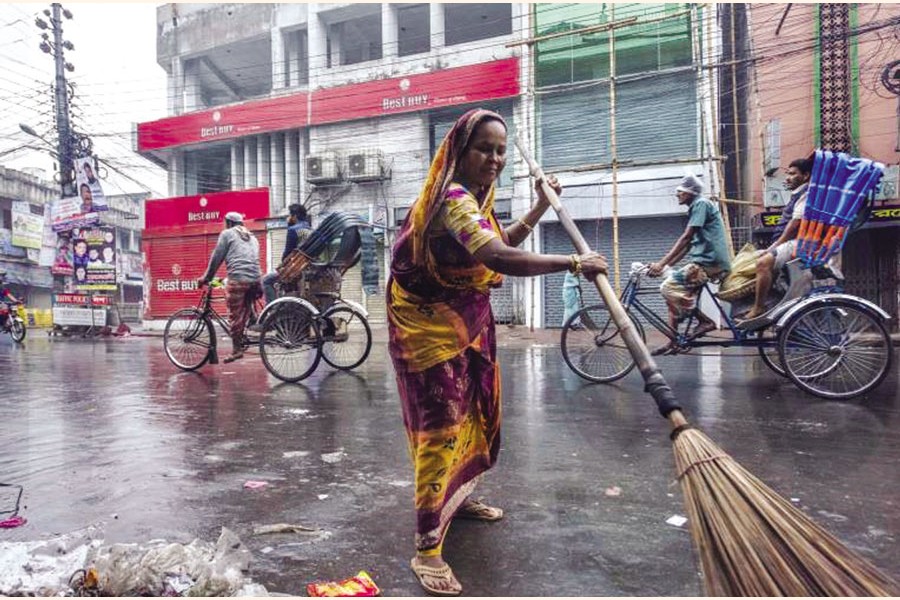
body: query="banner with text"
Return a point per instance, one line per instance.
(94, 258)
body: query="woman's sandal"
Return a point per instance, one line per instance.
(474, 509)
(440, 573)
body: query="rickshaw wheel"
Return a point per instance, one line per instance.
(771, 357)
(348, 339)
(289, 344)
(835, 349)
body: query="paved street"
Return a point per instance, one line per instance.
(109, 432)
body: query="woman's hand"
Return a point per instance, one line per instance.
(553, 182)
(593, 264)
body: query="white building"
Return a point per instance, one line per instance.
(341, 106)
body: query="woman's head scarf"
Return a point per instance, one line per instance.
(440, 175)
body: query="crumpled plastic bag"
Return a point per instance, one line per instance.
(743, 273)
(196, 569)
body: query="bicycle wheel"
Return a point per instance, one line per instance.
(188, 339)
(290, 343)
(770, 356)
(593, 347)
(346, 337)
(835, 349)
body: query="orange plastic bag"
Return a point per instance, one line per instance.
(359, 586)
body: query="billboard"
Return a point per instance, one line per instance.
(89, 189)
(67, 213)
(94, 258)
(27, 227)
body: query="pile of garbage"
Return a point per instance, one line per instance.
(79, 564)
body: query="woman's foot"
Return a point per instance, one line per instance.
(474, 509)
(435, 576)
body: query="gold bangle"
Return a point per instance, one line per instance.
(525, 225)
(574, 264)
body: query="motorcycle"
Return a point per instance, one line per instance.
(13, 315)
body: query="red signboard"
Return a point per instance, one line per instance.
(206, 208)
(225, 122)
(445, 87)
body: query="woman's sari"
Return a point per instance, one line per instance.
(442, 339)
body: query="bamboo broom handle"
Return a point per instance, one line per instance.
(654, 381)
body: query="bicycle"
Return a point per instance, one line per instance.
(14, 321)
(189, 337)
(830, 344)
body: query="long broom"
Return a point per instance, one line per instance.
(751, 541)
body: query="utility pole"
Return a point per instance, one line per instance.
(65, 136)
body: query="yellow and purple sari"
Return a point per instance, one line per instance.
(442, 338)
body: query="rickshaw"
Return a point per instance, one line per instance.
(310, 321)
(828, 343)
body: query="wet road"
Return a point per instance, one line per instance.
(109, 433)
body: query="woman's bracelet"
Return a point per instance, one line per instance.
(574, 264)
(525, 225)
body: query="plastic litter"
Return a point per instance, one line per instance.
(281, 528)
(255, 485)
(676, 520)
(359, 586)
(12, 522)
(613, 491)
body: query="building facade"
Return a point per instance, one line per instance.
(24, 198)
(819, 83)
(342, 106)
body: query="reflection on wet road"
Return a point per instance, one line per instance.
(108, 432)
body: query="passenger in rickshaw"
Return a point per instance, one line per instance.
(780, 251)
(298, 230)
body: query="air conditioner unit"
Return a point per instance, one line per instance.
(365, 165)
(775, 193)
(323, 167)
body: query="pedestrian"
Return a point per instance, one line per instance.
(571, 297)
(297, 232)
(779, 252)
(239, 248)
(450, 252)
(703, 246)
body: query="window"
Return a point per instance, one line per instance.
(471, 22)
(400, 215)
(662, 44)
(296, 57)
(413, 29)
(207, 170)
(442, 120)
(656, 95)
(656, 118)
(355, 41)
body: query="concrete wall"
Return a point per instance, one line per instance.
(16, 185)
(786, 85)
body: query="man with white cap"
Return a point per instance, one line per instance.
(704, 248)
(240, 250)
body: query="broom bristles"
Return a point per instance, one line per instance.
(753, 542)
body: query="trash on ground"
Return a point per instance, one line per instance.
(613, 491)
(359, 586)
(281, 528)
(11, 522)
(676, 520)
(322, 496)
(79, 564)
(334, 457)
(255, 485)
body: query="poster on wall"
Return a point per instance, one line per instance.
(62, 258)
(27, 227)
(88, 183)
(94, 258)
(68, 213)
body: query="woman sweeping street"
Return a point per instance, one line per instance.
(450, 252)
